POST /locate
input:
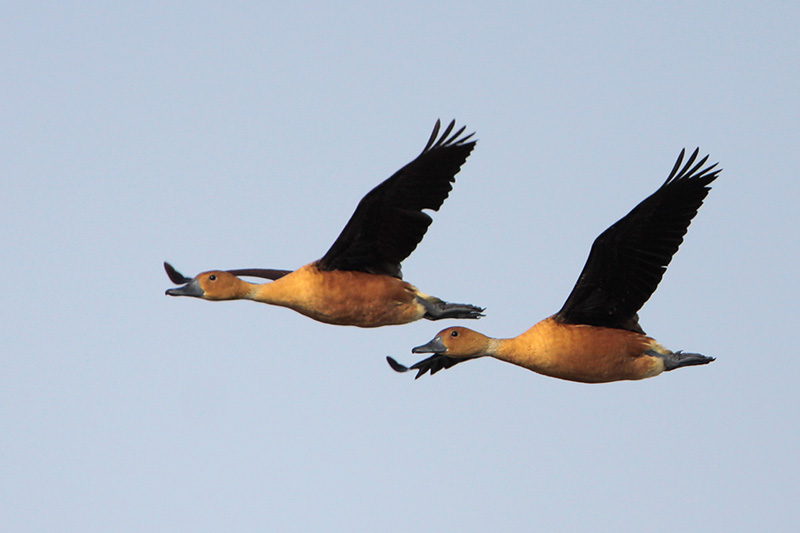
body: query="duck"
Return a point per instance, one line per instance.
(359, 282)
(596, 336)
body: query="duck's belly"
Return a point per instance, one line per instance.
(358, 299)
(591, 354)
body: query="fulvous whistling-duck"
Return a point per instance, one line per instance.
(596, 337)
(358, 281)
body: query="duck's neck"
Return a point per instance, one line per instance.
(273, 293)
(494, 348)
(502, 349)
(518, 351)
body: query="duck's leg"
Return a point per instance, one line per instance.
(673, 360)
(436, 309)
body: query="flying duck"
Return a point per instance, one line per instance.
(358, 282)
(596, 337)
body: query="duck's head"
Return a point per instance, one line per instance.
(211, 285)
(456, 342)
(449, 347)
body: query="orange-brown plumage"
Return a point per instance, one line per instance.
(335, 297)
(581, 353)
(344, 297)
(596, 336)
(358, 281)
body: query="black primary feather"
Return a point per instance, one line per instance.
(628, 260)
(175, 276)
(389, 223)
(266, 273)
(432, 364)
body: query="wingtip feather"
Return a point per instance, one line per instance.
(397, 367)
(175, 276)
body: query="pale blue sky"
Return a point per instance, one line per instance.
(243, 135)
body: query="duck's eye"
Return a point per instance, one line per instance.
(454, 333)
(212, 277)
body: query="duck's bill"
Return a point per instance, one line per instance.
(190, 289)
(434, 346)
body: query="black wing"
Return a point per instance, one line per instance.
(175, 276)
(433, 364)
(388, 223)
(266, 273)
(627, 260)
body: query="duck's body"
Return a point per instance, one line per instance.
(582, 353)
(588, 354)
(596, 337)
(338, 297)
(344, 297)
(358, 282)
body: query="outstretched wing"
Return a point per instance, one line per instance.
(388, 223)
(627, 260)
(267, 273)
(175, 276)
(432, 364)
